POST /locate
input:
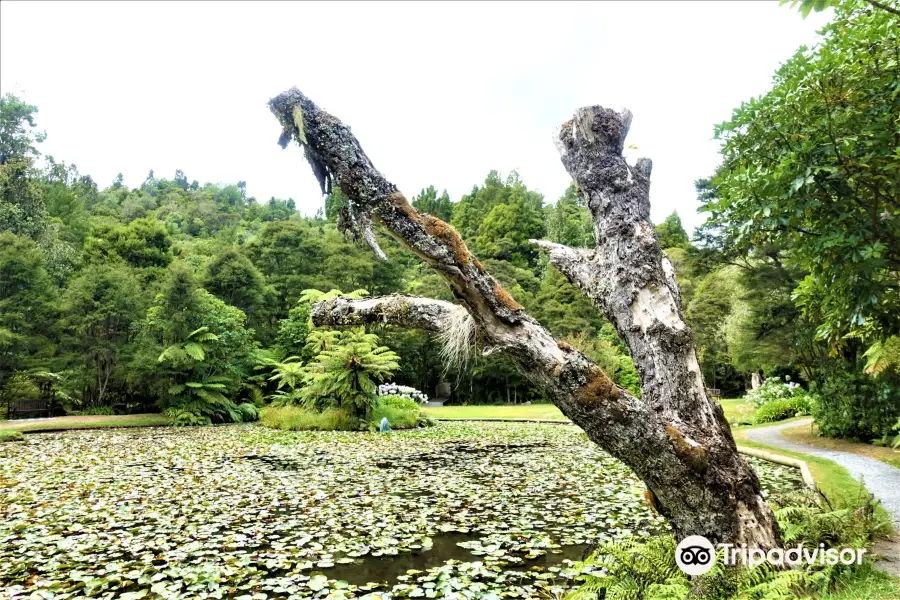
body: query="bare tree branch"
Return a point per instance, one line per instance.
(673, 437)
(405, 311)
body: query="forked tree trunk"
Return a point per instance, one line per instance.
(674, 438)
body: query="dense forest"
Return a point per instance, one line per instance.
(137, 298)
(97, 283)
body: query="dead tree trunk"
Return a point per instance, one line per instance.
(674, 438)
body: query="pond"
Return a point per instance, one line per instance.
(483, 510)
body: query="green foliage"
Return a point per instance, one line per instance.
(17, 129)
(193, 351)
(22, 209)
(883, 355)
(28, 307)
(851, 404)
(778, 400)
(773, 388)
(19, 387)
(143, 243)
(778, 410)
(101, 309)
(706, 314)
(236, 281)
(812, 166)
(569, 221)
(628, 569)
(499, 218)
(813, 519)
(428, 201)
(671, 233)
(296, 418)
(401, 413)
(625, 570)
(249, 412)
(288, 373)
(399, 402)
(608, 355)
(347, 375)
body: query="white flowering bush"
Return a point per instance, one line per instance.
(779, 400)
(403, 391)
(773, 388)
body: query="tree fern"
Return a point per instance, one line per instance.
(347, 375)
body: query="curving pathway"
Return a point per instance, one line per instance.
(880, 478)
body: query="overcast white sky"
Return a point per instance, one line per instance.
(438, 93)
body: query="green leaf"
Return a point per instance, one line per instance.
(195, 351)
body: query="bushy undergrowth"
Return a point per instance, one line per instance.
(778, 410)
(297, 418)
(854, 405)
(779, 400)
(402, 391)
(8, 435)
(401, 413)
(94, 410)
(630, 569)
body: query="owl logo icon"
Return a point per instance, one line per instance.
(695, 555)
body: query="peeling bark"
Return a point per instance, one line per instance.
(674, 438)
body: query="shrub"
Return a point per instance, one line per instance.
(8, 435)
(401, 413)
(773, 388)
(778, 410)
(852, 404)
(345, 375)
(186, 418)
(400, 402)
(248, 411)
(296, 418)
(94, 410)
(402, 391)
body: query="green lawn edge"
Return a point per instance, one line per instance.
(136, 421)
(10, 435)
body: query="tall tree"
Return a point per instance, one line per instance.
(28, 312)
(500, 217)
(235, 280)
(428, 201)
(569, 220)
(102, 305)
(812, 166)
(671, 233)
(22, 209)
(675, 438)
(18, 134)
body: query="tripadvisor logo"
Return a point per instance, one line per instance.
(695, 555)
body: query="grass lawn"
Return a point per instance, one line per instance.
(531, 411)
(86, 422)
(806, 435)
(866, 583)
(736, 410)
(10, 435)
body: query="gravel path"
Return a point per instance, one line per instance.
(880, 478)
